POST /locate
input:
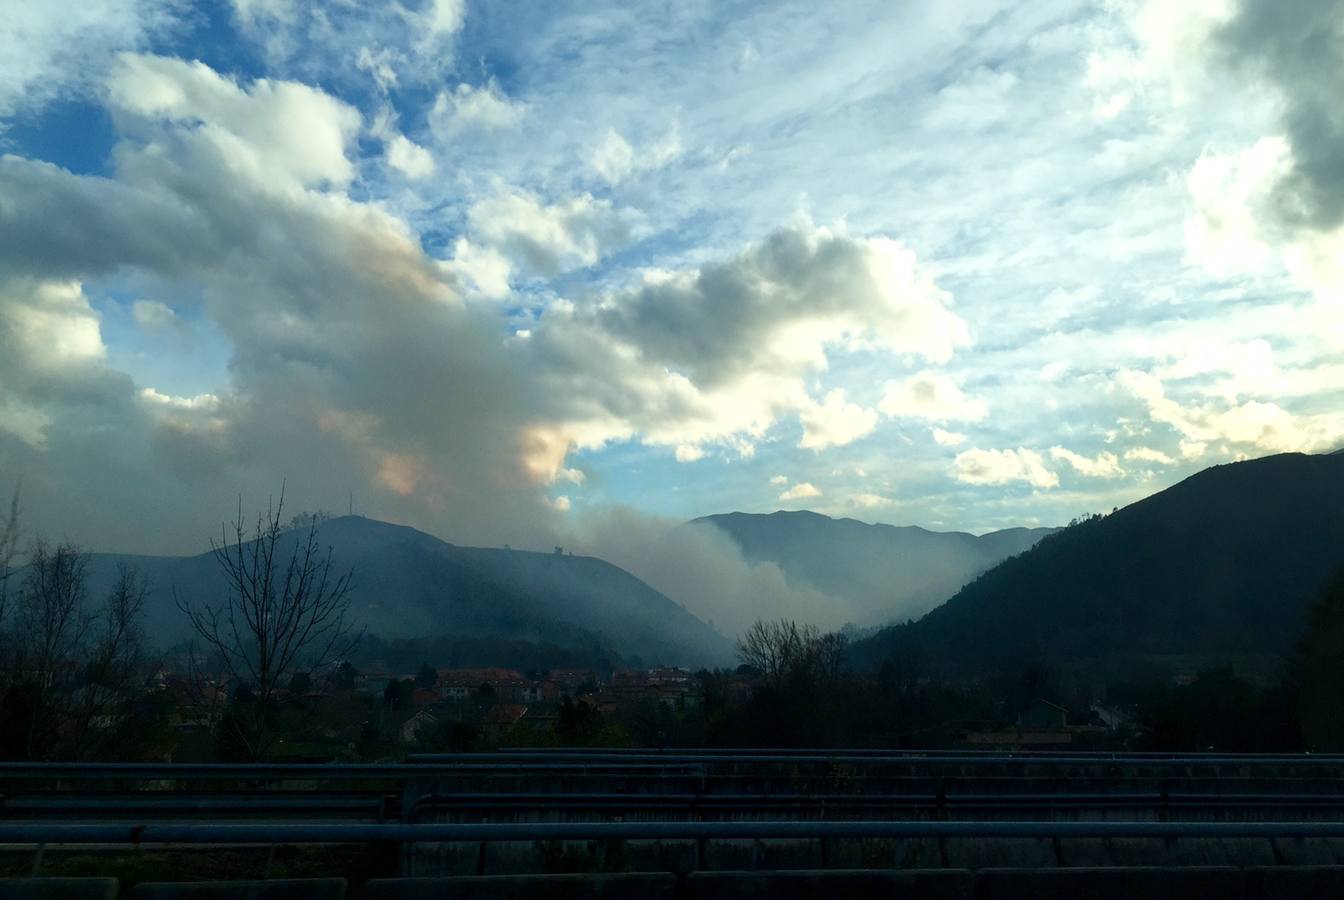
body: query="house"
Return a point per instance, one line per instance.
(460, 684)
(198, 703)
(1110, 716)
(671, 687)
(1042, 715)
(571, 680)
(411, 728)
(539, 692)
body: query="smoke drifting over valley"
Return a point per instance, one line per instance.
(704, 570)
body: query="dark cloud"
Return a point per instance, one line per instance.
(1298, 47)
(54, 224)
(776, 306)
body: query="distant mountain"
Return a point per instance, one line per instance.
(884, 572)
(410, 585)
(1218, 567)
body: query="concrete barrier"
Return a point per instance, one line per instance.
(276, 889)
(1309, 851)
(1294, 882)
(444, 859)
(833, 884)
(1148, 852)
(58, 888)
(678, 857)
(525, 887)
(988, 853)
(732, 855)
(1128, 883)
(883, 853)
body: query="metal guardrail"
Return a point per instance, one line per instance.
(507, 759)
(901, 752)
(267, 833)
(319, 771)
(813, 801)
(152, 803)
(595, 762)
(148, 802)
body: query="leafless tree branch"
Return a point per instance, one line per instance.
(283, 606)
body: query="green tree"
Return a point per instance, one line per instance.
(1318, 668)
(427, 677)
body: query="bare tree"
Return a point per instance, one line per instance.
(51, 619)
(116, 656)
(782, 650)
(51, 625)
(830, 654)
(9, 543)
(283, 606)
(771, 648)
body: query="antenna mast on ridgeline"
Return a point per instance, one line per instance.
(352, 501)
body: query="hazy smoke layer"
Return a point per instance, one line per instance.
(702, 569)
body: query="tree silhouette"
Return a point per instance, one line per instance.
(1318, 668)
(283, 606)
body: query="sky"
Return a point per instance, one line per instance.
(573, 272)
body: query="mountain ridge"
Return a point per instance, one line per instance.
(410, 584)
(884, 572)
(1218, 566)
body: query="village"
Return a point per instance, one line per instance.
(502, 700)
(372, 712)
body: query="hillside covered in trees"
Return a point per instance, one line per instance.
(411, 586)
(1221, 566)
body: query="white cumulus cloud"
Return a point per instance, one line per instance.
(834, 422)
(948, 438)
(279, 132)
(545, 239)
(801, 491)
(994, 467)
(932, 397)
(409, 158)
(1103, 465)
(688, 453)
(1148, 454)
(467, 106)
